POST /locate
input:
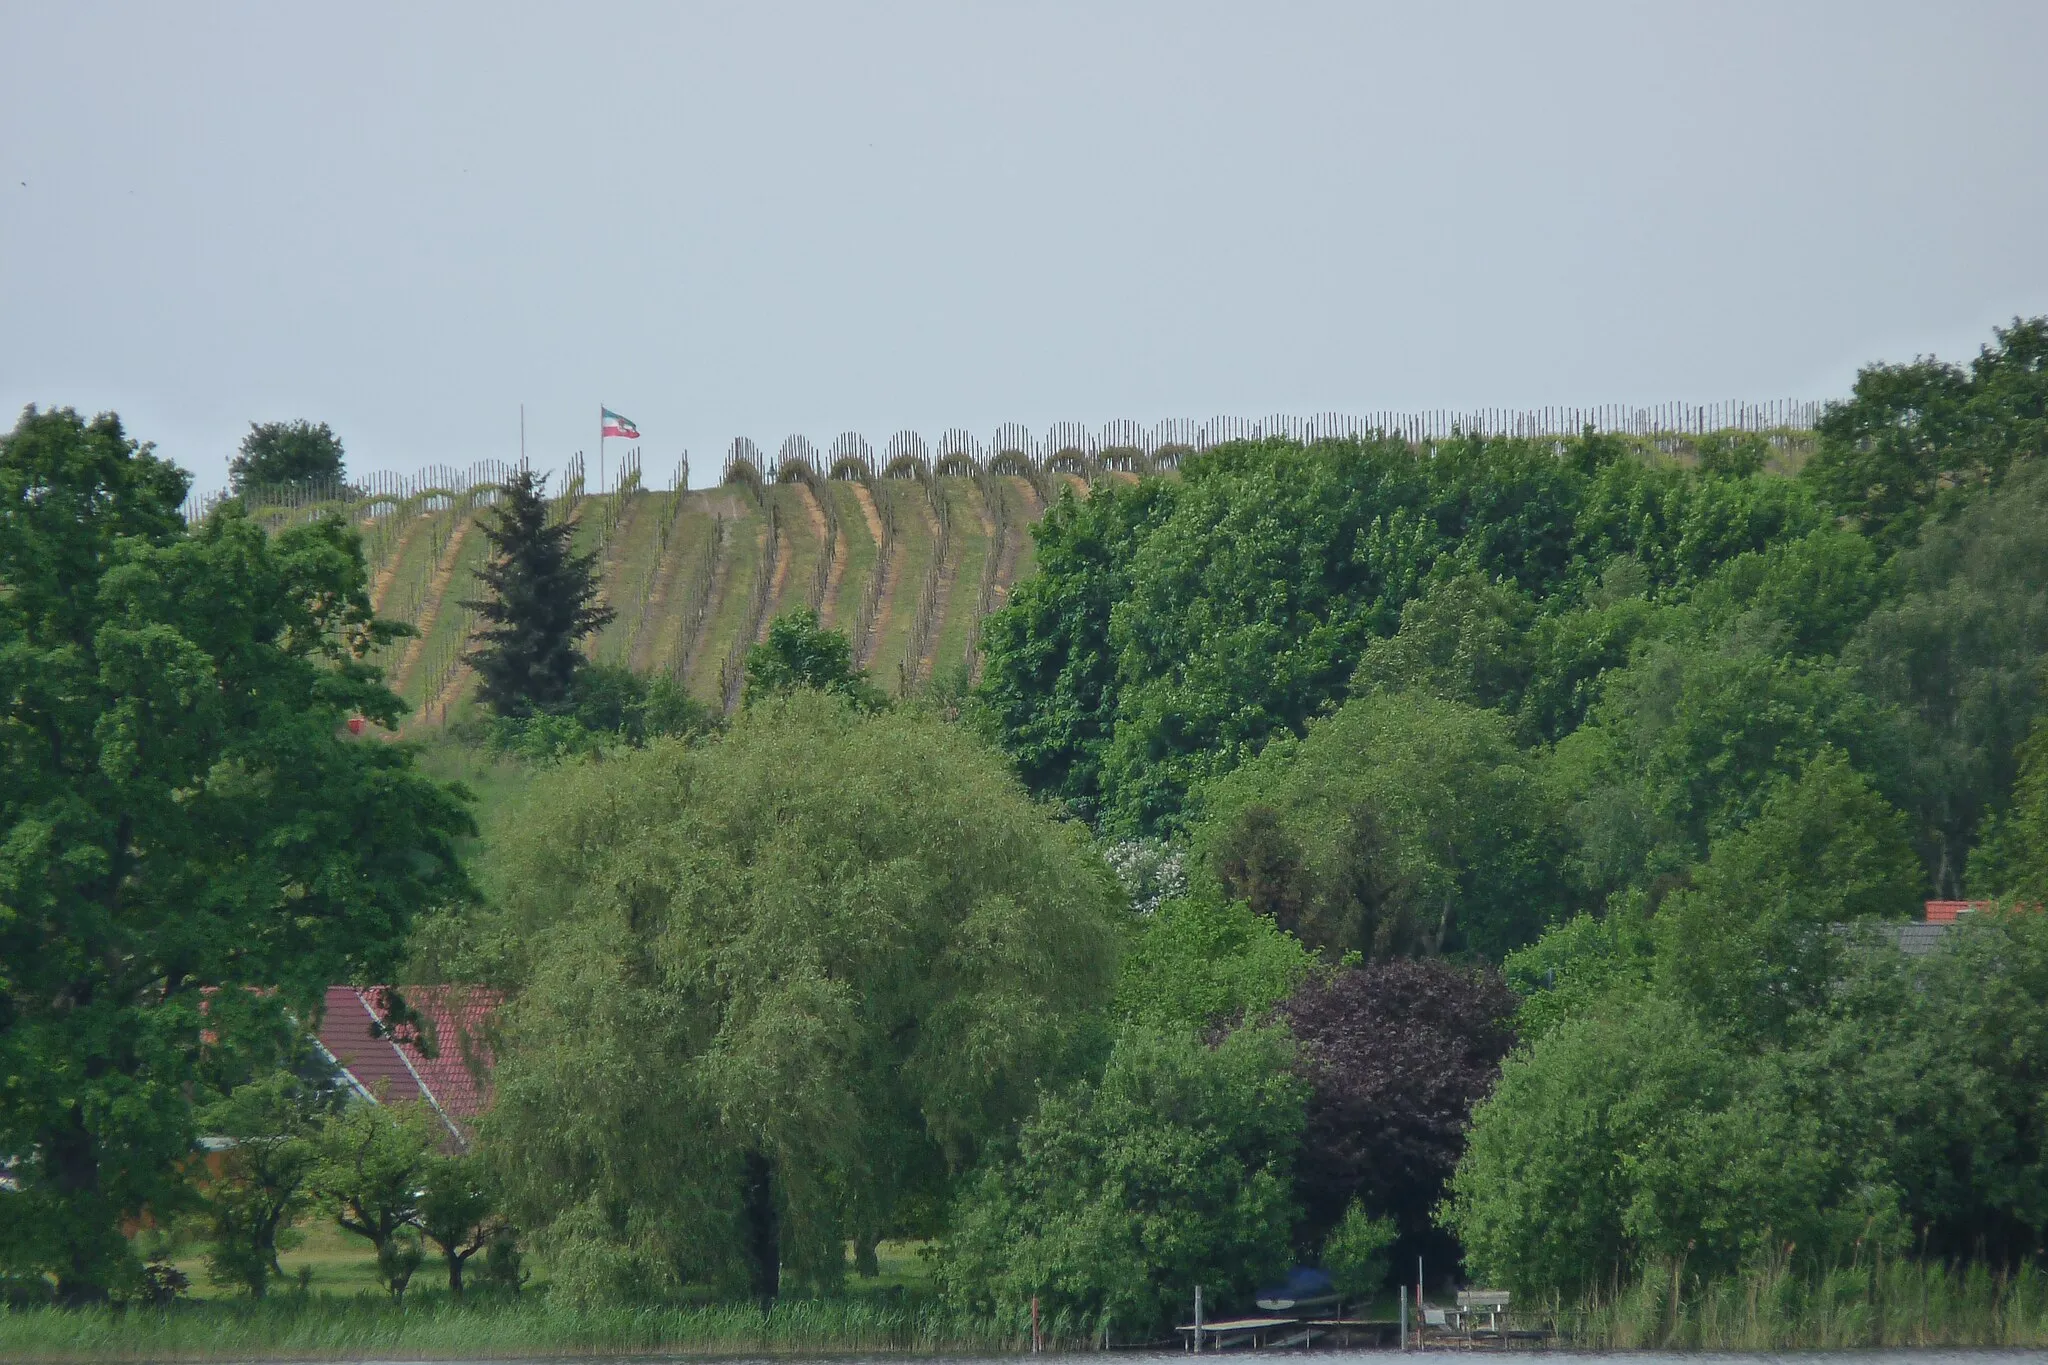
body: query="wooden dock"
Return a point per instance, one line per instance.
(1249, 1333)
(1277, 1333)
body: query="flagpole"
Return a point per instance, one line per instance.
(600, 447)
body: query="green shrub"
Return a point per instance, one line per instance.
(1173, 1170)
(1356, 1253)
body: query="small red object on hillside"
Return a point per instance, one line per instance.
(355, 725)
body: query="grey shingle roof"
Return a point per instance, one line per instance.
(1914, 940)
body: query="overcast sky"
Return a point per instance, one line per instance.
(757, 219)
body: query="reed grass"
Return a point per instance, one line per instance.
(1898, 1303)
(327, 1327)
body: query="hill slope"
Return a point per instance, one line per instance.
(907, 564)
(906, 567)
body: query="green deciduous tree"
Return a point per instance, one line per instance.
(1171, 1171)
(2011, 858)
(1248, 607)
(1686, 743)
(298, 453)
(459, 1213)
(1680, 526)
(1400, 824)
(1927, 1072)
(1465, 639)
(1961, 654)
(800, 653)
(606, 705)
(838, 951)
(1049, 678)
(1576, 965)
(1902, 1110)
(1175, 628)
(1631, 1135)
(1915, 439)
(180, 808)
(1751, 941)
(1357, 1253)
(1805, 597)
(1200, 960)
(1572, 652)
(260, 1186)
(373, 1165)
(542, 603)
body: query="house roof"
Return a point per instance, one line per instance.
(1921, 938)
(1945, 912)
(1914, 940)
(445, 1060)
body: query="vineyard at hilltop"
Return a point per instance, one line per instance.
(906, 564)
(907, 568)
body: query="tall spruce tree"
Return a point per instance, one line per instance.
(541, 604)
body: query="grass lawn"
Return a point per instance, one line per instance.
(341, 1262)
(345, 1265)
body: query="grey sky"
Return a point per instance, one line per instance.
(758, 219)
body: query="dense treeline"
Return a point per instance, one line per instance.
(1658, 735)
(1491, 852)
(1666, 637)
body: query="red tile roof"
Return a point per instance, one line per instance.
(393, 1065)
(1945, 912)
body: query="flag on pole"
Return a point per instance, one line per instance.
(615, 425)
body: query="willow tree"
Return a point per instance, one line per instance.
(778, 988)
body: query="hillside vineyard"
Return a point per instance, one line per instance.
(905, 550)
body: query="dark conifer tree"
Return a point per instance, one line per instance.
(541, 604)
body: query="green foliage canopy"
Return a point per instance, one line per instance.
(2011, 859)
(1173, 629)
(1914, 440)
(260, 1188)
(459, 1213)
(838, 950)
(1631, 1133)
(301, 453)
(1750, 942)
(606, 705)
(1050, 681)
(1961, 654)
(1200, 960)
(1686, 743)
(1401, 823)
(1170, 1171)
(180, 809)
(1901, 1112)
(800, 653)
(1356, 1253)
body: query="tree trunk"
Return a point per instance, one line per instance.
(865, 1263)
(454, 1275)
(763, 1228)
(1443, 928)
(75, 1171)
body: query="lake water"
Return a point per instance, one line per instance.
(1902, 1356)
